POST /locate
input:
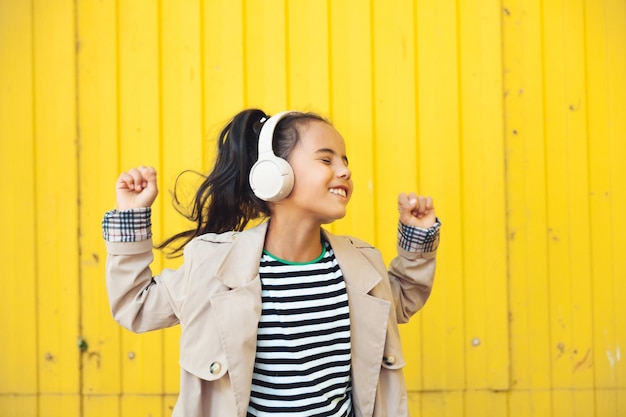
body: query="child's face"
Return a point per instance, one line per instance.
(323, 183)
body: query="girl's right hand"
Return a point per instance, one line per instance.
(136, 188)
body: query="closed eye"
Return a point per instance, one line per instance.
(328, 159)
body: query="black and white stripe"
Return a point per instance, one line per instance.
(303, 355)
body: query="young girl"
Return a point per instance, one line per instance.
(283, 318)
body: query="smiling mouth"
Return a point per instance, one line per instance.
(339, 191)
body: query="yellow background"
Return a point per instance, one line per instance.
(511, 114)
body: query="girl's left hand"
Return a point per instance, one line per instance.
(416, 211)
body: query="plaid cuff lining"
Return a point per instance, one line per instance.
(417, 239)
(132, 225)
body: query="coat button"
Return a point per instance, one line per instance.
(215, 368)
(389, 360)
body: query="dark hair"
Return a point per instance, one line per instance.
(225, 201)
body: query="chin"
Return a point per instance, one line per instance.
(330, 219)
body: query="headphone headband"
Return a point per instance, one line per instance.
(267, 132)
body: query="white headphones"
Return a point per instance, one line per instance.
(271, 177)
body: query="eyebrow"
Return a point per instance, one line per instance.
(330, 151)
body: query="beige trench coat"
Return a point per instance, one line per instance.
(216, 297)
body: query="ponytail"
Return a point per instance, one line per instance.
(225, 201)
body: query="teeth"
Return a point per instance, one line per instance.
(338, 191)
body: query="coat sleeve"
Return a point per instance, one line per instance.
(411, 275)
(140, 301)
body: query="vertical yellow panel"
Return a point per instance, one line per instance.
(181, 122)
(308, 56)
(18, 406)
(605, 350)
(56, 201)
(616, 73)
(621, 401)
(55, 405)
(526, 198)
(440, 404)
(395, 136)
(483, 194)
(223, 62)
(169, 401)
(181, 76)
(607, 402)
(574, 403)
(439, 175)
(18, 350)
(351, 86)
(485, 403)
(101, 405)
(567, 197)
(142, 405)
(395, 141)
(98, 147)
(531, 403)
(616, 132)
(266, 55)
(140, 144)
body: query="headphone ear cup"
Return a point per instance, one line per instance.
(271, 178)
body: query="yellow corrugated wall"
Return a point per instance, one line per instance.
(511, 113)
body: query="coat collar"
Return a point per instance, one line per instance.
(357, 271)
(240, 265)
(247, 246)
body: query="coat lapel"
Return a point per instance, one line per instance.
(238, 311)
(369, 317)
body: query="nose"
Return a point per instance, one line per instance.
(344, 172)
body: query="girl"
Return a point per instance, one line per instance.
(284, 318)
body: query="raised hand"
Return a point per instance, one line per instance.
(136, 188)
(416, 211)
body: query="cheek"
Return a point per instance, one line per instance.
(305, 186)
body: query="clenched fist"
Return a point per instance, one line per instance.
(416, 211)
(136, 188)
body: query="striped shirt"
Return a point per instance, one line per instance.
(302, 365)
